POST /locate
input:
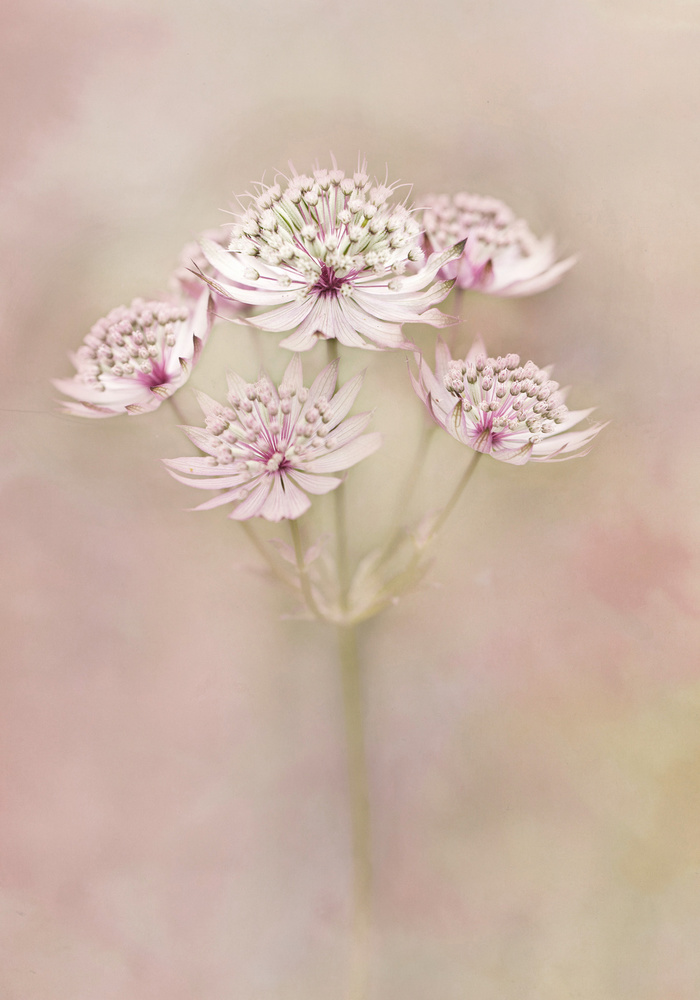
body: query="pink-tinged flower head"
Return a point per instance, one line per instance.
(271, 446)
(136, 357)
(501, 256)
(193, 270)
(326, 256)
(497, 406)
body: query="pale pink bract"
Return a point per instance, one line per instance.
(513, 412)
(501, 256)
(193, 269)
(271, 446)
(136, 357)
(327, 258)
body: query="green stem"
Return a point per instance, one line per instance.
(409, 486)
(359, 811)
(404, 579)
(459, 489)
(339, 511)
(341, 544)
(357, 767)
(176, 408)
(303, 571)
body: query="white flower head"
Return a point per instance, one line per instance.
(501, 256)
(270, 446)
(327, 257)
(136, 357)
(515, 413)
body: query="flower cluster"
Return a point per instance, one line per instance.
(270, 446)
(501, 408)
(501, 256)
(136, 357)
(335, 257)
(327, 256)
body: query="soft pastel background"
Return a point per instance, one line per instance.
(173, 818)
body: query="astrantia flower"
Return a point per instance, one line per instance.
(501, 256)
(270, 447)
(193, 269)
(497, 406)
(136, 357)
(327, 256)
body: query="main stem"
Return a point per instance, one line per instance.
(359, 811)
(358, 785)
(339, 512)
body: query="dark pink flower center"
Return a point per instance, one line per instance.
(157, 376)
(328, 282)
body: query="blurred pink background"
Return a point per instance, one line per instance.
(174, 819)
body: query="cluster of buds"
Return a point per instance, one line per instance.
(335, 258)
(501, 408)
(501, 256)
(137, 356)
(328, 227)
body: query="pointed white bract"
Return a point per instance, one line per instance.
(513, 412)
(193, 270)
(136, 357)
(326, 256)
(270, 446)
(500, 257)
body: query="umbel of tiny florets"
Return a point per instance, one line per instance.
(136, 357)
(501, 256)
(271, 446)
(513, 412)
(326, 256)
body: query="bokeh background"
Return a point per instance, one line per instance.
(174, 820)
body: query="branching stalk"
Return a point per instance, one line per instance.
(406, 576)
(408, 489)
(263, 550)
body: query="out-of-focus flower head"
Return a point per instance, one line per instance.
(326, 256)
(271, 446)
(497, 406)
(192, 269)
(136, 357)
(501, 256)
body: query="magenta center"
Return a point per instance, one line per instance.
(157, 376)
(328, 282)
